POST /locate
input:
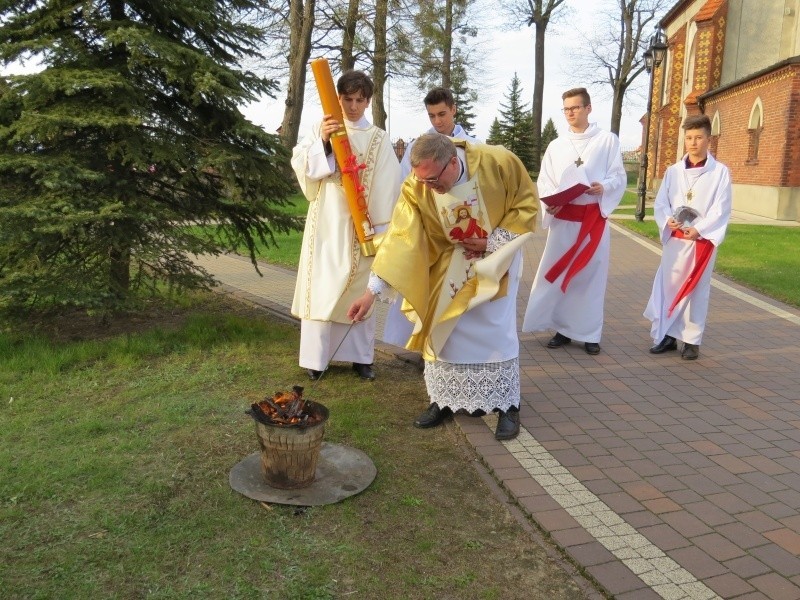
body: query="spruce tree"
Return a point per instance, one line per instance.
(549, 133)
(495, 134)
(128, 134)
(515, 124)
(464, 99)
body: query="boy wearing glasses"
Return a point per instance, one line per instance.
(453, 252)
(570, 285)
(332, 271)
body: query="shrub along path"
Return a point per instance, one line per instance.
(662, 478)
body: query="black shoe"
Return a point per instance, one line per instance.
(665, 345)
(364, 371)
(592, 348)
(507, 425)
(558, 340)
(432, 416)
(690, 352)
(313, 375)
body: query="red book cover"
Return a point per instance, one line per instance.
(565, 196)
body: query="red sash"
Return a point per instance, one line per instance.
(593, 224)
(702, 254)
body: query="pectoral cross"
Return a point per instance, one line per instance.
(578, 162)
(689, 195)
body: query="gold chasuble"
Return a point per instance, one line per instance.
(420, 255)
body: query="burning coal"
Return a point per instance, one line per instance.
(286, 409)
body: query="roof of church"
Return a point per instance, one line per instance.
(709, 9)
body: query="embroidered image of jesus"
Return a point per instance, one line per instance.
(462, 224)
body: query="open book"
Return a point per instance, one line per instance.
(565, 196)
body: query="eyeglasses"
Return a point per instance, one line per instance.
(433, 180)
(571, 109)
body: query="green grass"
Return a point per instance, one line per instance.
(761, 257)
(116, 447)
(286, 249)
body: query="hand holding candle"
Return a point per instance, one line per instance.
(345, 158)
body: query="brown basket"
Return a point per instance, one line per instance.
(289, 454)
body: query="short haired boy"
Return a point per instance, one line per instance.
(692, 210)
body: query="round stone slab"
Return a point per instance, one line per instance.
(341, 472)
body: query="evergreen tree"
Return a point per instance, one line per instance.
(130, 132)
(495, 134)
(464, 99)
(515, 124)
(549, 133)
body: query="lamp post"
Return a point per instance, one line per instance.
(653, 57)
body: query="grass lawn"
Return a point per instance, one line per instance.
(116, 444)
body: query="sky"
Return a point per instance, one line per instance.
(506, 52)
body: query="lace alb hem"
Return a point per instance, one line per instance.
(473, 387)
(499, 238)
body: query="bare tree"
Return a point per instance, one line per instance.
(349, 36)
(613, 57)
(301, 25)
(539, 14)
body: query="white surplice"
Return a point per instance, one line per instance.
(332, 272)
(578, 312)
(710, 187)
(465, 308)
(397, 329)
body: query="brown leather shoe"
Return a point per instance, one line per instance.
(690, 352)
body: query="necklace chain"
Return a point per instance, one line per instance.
(690, 191)
(580, 161)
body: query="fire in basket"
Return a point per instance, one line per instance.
(286, 409)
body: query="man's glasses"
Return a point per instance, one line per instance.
(571, 109)
(433, 180)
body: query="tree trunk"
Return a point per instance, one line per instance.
(349, 36)
(447, 45)
(538, 94)
(301, 24)
(379, 63)
(616, 108)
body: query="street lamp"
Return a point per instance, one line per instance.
(653, 57)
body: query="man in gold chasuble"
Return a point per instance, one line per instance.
(453, 251)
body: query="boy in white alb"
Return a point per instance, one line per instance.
(692, 210)
(570, 285)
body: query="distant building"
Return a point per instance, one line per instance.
(737, 61)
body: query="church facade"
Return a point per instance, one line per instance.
(737, 61)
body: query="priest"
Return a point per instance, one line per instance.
(460, 292)
(441, 108)
(570, 285)
(692, 210)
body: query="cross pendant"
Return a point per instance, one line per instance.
(689, 195)
(578, 162)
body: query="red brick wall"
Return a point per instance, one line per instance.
(778, 162)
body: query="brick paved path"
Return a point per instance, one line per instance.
(662, 478)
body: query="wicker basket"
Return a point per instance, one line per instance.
(289, 454)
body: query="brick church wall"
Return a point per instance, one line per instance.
(778, 159)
